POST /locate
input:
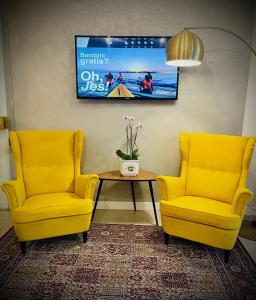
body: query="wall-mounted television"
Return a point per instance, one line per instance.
(124, 67)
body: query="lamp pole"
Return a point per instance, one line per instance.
(243, 41)
(226, 30)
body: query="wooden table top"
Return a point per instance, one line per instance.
(116, 175)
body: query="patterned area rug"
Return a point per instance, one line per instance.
(123, 262)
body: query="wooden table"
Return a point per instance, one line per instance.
(116, 176)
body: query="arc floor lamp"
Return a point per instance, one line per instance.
(185, 49)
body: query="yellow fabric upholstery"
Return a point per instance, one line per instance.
(49, 190)
(52, 227)
(15, 192)
(201, 210)
(241, 199)
(48, 206)
(209, 235)
(48, 164)
(210, 192)
(214, 166)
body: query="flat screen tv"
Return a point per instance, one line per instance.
(124, 67)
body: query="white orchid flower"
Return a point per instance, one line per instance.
(129, 118)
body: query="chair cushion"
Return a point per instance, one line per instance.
(48, 206)
(201, 210)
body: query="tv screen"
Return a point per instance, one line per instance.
(130, 68)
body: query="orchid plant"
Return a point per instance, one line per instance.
(131, 137)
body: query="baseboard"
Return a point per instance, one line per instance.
(126, 205)
(4, 209)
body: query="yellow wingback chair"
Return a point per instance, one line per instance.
(207, 202)
(49, 197)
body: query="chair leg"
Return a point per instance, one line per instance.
(226, 255)
(166, 238)
(23, 247)
(85, 235)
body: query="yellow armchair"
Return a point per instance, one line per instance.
(49, 197)
(207, 202)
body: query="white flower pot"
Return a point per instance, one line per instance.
(129, 167)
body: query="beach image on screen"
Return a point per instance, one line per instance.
(124, 67)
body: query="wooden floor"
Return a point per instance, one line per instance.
(5, 221)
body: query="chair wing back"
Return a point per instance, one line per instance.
(215, 165)
(47, 161)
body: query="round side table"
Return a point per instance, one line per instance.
(116, 176)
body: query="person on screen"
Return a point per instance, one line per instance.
(109, 79)
(150, 76)
(120, 77)
(146, 86)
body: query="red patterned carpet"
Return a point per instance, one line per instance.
(123, 262)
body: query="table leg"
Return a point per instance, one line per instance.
(133, 195)
(153, 200)
(97, 198)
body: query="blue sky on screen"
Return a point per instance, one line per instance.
(127, 59)
(121, 59)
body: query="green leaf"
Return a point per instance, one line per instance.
(123, 155)
(135, 154)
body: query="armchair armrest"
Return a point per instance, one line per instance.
(15, 192)
(171, 187)
(241, 199)
(85, 185)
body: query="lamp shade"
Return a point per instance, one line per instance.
(184, 49)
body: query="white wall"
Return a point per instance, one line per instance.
(3, 107)
(5, 172)
(211, 97)
(249, 126)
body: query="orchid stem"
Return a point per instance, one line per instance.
(134, 143)
(130, 141)
(127, 141)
